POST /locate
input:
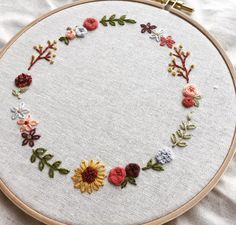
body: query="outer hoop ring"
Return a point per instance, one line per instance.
(192, 202)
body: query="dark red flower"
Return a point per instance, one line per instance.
(23, 80)
(188, 102)
(132, 170)
(89, 175)
(90, 24)
(30, 137)
(167, 41)
(147, 27)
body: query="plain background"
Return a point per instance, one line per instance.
(217, 17)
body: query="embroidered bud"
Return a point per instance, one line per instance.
(23, 80)
(132, 170)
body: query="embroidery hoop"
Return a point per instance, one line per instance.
(187, 205)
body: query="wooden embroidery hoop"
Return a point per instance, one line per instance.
(18, 202)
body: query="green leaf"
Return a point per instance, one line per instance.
(103, 18)
(173, 138)
(198, 97)
(51, 173)
(183, 126)
(157, 167)
(180, 133)
(40, 151)
(187, 136)
(41, 165)
(149, 164)
(121, 22)
(48, 157)
(196, 103)
(123, 184)
(33, 158)
(66, 40)
(112, 17)
(123, 17)
(104, 23)
(56, 164)
(61, 38)
(189, 117)
(112, 23)
(182, 144)
(130, 21)
(63, 171)
(132, 181)
(191, 127)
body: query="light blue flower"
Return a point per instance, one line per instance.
(164, 156)
(80, 31)
(19, 112)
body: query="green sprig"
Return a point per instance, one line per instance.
(39, 153)
(65, 40)
(112, 20)
(155, 166)
(130, 180)
(17, 92)
(180, 137)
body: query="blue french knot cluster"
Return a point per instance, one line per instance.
(164, 156)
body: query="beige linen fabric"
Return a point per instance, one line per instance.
(204, 213)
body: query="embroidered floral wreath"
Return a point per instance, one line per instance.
(91, 174)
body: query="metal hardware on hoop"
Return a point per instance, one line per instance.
(176, 4)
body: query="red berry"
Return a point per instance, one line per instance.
(23, 80)
(188, 102)
(90, 24)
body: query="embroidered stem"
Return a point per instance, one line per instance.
(155, 166)
(181, 68)
(43, 160)
(181, 135)
(44, 53)
(112, 20)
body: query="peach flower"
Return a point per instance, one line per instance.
(190, 90)
(70, 34)
(27, 124)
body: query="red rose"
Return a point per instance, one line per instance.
(117, 175)
(23, 80)
(132, 170)
(188, 102)
(90, 24)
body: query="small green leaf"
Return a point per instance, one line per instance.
(51, 173)
(182, 144)
(112, 17)
(33, 158)
(40, 151)
(61, 38)
(149, 163)
(187, 136)
(121, 22)
(191, 127)
(66, 40)
(157, 167)
(63, 171)
(196, 103)
(130, 21)
(189, 117)
(112, 23)
(180, 133)
(123, 184)
(56, 164)
(103, 18)
(41, 165)
(104, 23)
(132, 181)
(48, 157)
(183, 126)
(173, 138)
(123, 17)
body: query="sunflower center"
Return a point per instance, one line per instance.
(89, 175)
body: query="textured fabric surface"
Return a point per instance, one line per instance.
(176, 120)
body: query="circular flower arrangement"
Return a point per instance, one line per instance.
(90, 176)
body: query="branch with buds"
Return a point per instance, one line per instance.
(180, 69)
(46, 53)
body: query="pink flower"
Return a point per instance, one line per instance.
(190, 90)
(188, 102)
(90, 24)
(168, 41)
(70, 34)
(117, 175)
(27, 124)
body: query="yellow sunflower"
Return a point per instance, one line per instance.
(89, 176)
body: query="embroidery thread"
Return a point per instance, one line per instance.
(181, 69)
(89, 176)
(112, 20)
(191, 96)
(180, 137)
(46, 53)
(19, 112)
(43, 161)
(30, 137)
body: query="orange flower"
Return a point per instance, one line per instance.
(27, 124)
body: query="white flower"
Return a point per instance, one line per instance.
(164, 155)
(80, 31)
(19, 112)
(157, 34)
